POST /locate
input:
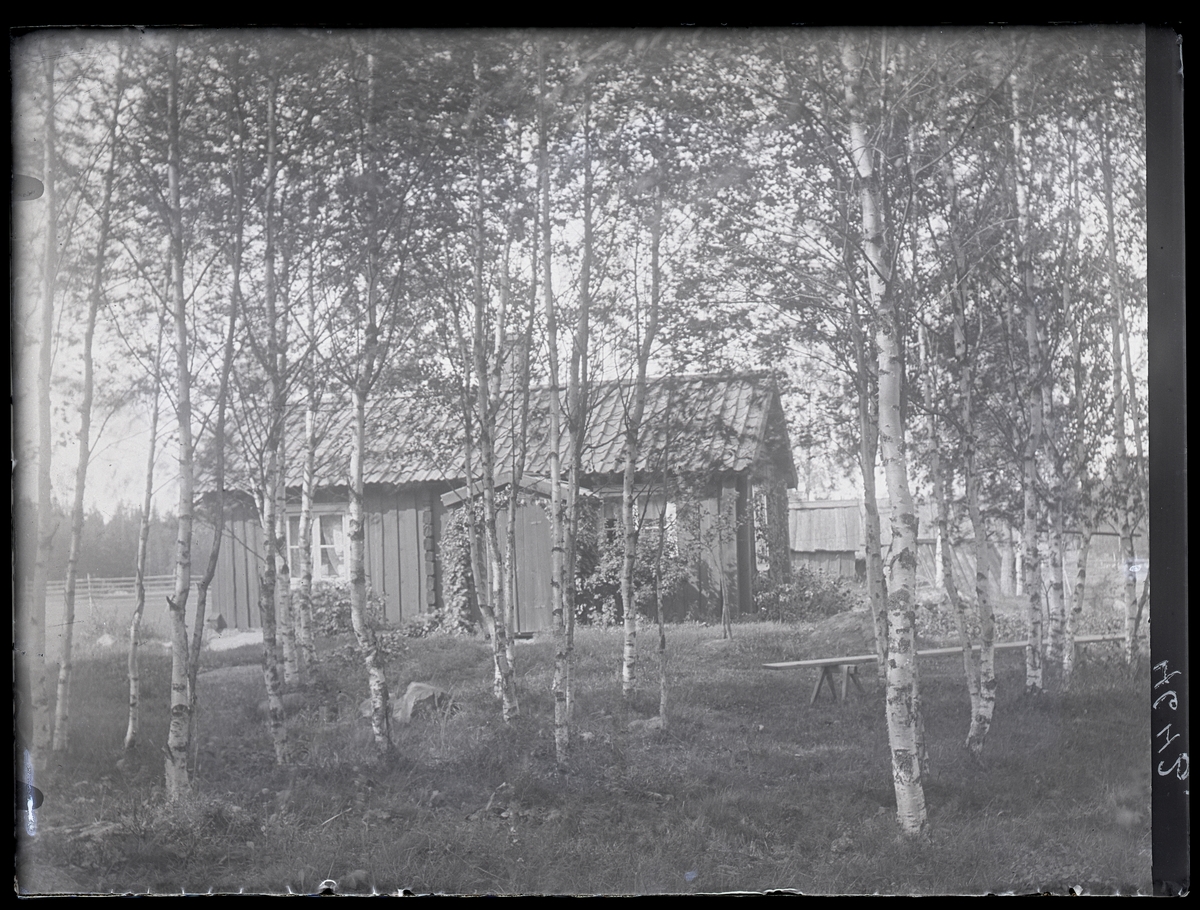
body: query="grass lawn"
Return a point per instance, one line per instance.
(749, 788)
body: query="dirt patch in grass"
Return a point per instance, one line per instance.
(748, 787)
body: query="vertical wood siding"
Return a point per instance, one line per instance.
(746, 563)
(409, 549)
(389, 529)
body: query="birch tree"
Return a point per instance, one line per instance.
(35, 642)
(177, 747)
(83, 458)
(902, 706)
(133, 727)
(647, 329)
(560, 683)
(1126, 487)
(384, 188)
(1032, 395)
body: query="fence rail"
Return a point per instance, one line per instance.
(87, 585)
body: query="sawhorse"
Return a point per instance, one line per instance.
(849, 674)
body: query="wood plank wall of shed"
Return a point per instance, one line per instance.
(744, 531)
(389, 543)
(534, 569)
(410, 547)
(400, 560)
(708, 529)
(402, 530)
(235, 586)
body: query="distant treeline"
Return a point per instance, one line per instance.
(108, 548)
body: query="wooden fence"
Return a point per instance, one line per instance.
(90, 587)
(104, 606)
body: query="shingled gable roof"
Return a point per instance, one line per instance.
(701, 424)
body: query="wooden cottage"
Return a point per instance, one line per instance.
(715, 455)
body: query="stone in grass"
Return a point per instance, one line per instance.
(418, 697)
(645, 724)
(421, 696)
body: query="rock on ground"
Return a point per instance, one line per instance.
(418, 697)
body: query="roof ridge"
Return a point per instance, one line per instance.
(416, 395)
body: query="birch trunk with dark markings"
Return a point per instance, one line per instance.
(178, 747)
(635, 411)
(133, 726)
(902, 695)
(1034, 408)
(558, 579)
(1126, 493)
(35, 644)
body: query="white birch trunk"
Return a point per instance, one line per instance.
(559, 685)
(981, 718)
(1058, 613)
(177, 748)
(487, 390)
(293, 675)
(304, 592)
(276, 721)
(868, 442)
(35, 644)
(303, 604)
(577, 404)
(381, 720)
(1031, 561)
(635, 413)
(276, 724)
(133, 726)
(903, 703)
(1068, 664)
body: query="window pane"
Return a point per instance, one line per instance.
(293, 536)
(332, 546)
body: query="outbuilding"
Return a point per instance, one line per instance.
(715, 462)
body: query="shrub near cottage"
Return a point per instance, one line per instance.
(331, 608)
(598, 576)
(448, 621)
(810, 595)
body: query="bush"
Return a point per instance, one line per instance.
(458, 583)
(447, 621)
(598, 575)
(810, 595)
(331, 608)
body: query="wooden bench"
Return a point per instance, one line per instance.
(829, 666)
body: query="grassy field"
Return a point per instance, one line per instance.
(749, 788)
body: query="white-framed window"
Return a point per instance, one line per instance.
(650, 513)
(329, 535)
(293, 539)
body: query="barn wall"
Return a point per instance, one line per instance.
(837, 564)
(237, 588)
(400, 556)
(711, 533)
(402, 531)
(533, 555)
(744, 534)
